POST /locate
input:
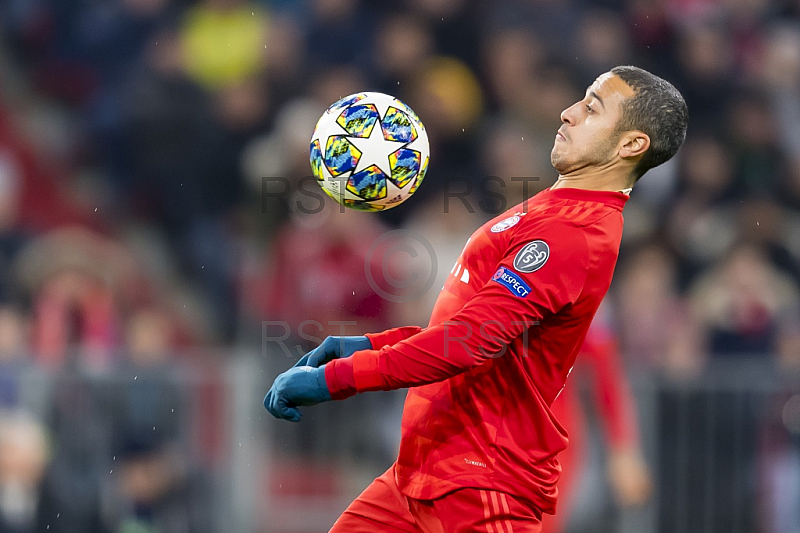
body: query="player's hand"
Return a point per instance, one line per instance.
(334, 348)
(630, 478)
(295, 387)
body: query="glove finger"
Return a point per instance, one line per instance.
(274, 408)
(274, 405)
(268, 400)
(295, 415)
(281, 408)
(325, 352)
(315, 357)
(303, 361)
(288, 412)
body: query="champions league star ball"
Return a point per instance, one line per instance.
(369, 151)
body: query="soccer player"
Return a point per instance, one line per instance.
(479, 442)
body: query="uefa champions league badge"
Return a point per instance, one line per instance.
(532, 256)
(504, 224)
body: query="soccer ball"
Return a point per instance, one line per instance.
(369, 151)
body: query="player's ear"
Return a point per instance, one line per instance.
(633, 144)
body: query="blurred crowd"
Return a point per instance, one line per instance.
(138, 140)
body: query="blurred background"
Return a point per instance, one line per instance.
(146, 272)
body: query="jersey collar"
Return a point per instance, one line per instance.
(611, 198)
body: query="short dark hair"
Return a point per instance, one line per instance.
(657, 108)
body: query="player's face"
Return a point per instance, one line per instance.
(588, 135)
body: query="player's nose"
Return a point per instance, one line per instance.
(567, 116)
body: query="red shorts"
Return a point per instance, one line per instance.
(383, 508)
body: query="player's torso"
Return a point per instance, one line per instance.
(546, 354)
(487, 246)
(460, 424)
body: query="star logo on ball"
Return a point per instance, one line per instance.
(369, 152)
(376, 150)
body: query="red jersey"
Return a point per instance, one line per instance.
(502, 339)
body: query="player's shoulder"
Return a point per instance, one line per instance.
(569, 223)
(559, 231)
(569, 207)
(554, 219)
(571, 212)
(545, 237)
(546, 245)
(562, 217)
(563, 225)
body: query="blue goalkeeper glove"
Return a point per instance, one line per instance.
(295, 387)
(334, 348)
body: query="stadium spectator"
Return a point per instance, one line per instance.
(76, 280)
(224, 42)
(654, 325)
(23, 458)
(745, 306)
(159, 486)
(14, 356)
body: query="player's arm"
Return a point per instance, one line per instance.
(513, 301)
(392, 336)
(521, 292)
(335, 347)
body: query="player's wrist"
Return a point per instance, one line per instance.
(377, 340)
(340, 378)
(391, 336)
(322, 384)
(356, 344)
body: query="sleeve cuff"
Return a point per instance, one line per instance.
(391, 336)
(340, 378)
(357, 373)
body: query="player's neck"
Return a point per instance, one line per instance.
(595, 179)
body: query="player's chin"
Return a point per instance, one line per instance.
(563, 165)
(558, 161)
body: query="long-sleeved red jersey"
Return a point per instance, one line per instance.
(501, 341)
